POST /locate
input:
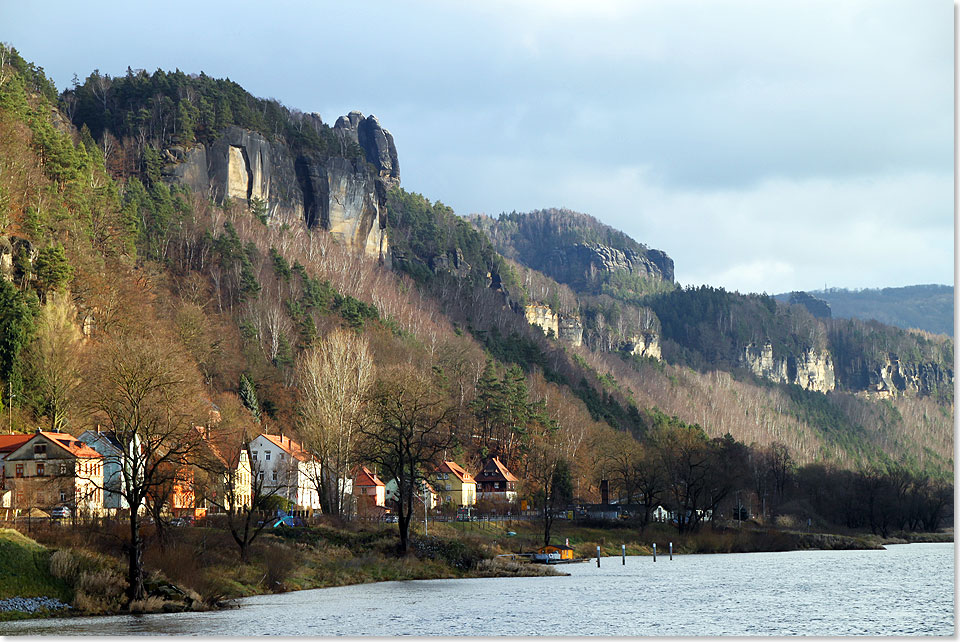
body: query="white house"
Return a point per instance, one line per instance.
(286, 469)
(110, 449)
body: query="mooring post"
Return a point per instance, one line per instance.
(654, 551)
(671, 550)
(598, 557)
(623, 553)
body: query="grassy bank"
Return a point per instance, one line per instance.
(197, 568)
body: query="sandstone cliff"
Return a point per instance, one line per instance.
(344, 194)
(565, 327)
(810, 369)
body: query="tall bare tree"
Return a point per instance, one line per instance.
(333, 378)
(141, 387)
(411, 428)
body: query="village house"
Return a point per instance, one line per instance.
(426, 494)
(55, 469)
(369, 491)
(229, 483)
(455, 485)
(8, 443)
(285, 469)
(496, 483)
(111, 450)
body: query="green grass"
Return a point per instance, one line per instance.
(25, 569)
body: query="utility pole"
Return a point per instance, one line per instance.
(10, 404)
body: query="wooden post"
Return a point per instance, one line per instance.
(623, 553)
(671, 550)
(598, 557)
(654, 551)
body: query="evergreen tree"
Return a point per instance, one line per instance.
(248, 395)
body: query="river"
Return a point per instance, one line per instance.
(904, 590)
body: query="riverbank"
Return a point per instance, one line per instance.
(196, 568)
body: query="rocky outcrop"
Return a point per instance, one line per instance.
(811, 369)
(452, 264)
(567, 328)
(375, 141)
(346, 196)
(581, 263)
(543, 317)
(570, 330)
(646, 344)
(894, 378)
(16, 254)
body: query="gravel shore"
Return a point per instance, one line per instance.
(32, 604)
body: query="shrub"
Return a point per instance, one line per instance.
(279, 563)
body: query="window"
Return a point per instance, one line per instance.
(261, 475)
(40, 470)
(19, 470)
(266, 456)
(63, 496)
(39, 449)
(274, 475)
(281, 456)
(496, 484)
(253, 453)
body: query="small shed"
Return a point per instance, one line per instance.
(553, 553)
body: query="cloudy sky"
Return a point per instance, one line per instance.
(766, 146)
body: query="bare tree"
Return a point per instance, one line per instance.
(410, 430)
(333, 378)
(140, 387)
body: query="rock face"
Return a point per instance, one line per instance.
(894, 378)
(646, 344)
(346, 196)
(579, 264)
(570, 330)
(16, 253)
(811, 370)
(566, 328)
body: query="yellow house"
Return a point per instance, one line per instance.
(454, 485)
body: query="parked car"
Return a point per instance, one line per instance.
(181, 521)
(60, 512)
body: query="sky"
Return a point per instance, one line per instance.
(765, 146)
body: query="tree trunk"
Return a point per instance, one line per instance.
(135, 571)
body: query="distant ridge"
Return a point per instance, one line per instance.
(926, 307)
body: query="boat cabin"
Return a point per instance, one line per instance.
(553, 553)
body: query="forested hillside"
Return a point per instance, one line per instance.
(108, 256)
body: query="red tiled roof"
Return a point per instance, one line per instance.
(294, 449)
(71, 444)
(456, 469)
(9, 443)
(367, 478)
(500, 472)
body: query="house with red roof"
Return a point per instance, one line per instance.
(8, 443)
(368, 490)
(454, 484)
(283, 467)
(496, 483)
(53, 469)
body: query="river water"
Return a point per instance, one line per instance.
(904, 590)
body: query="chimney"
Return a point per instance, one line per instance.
(604, 492)
(98, 429)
